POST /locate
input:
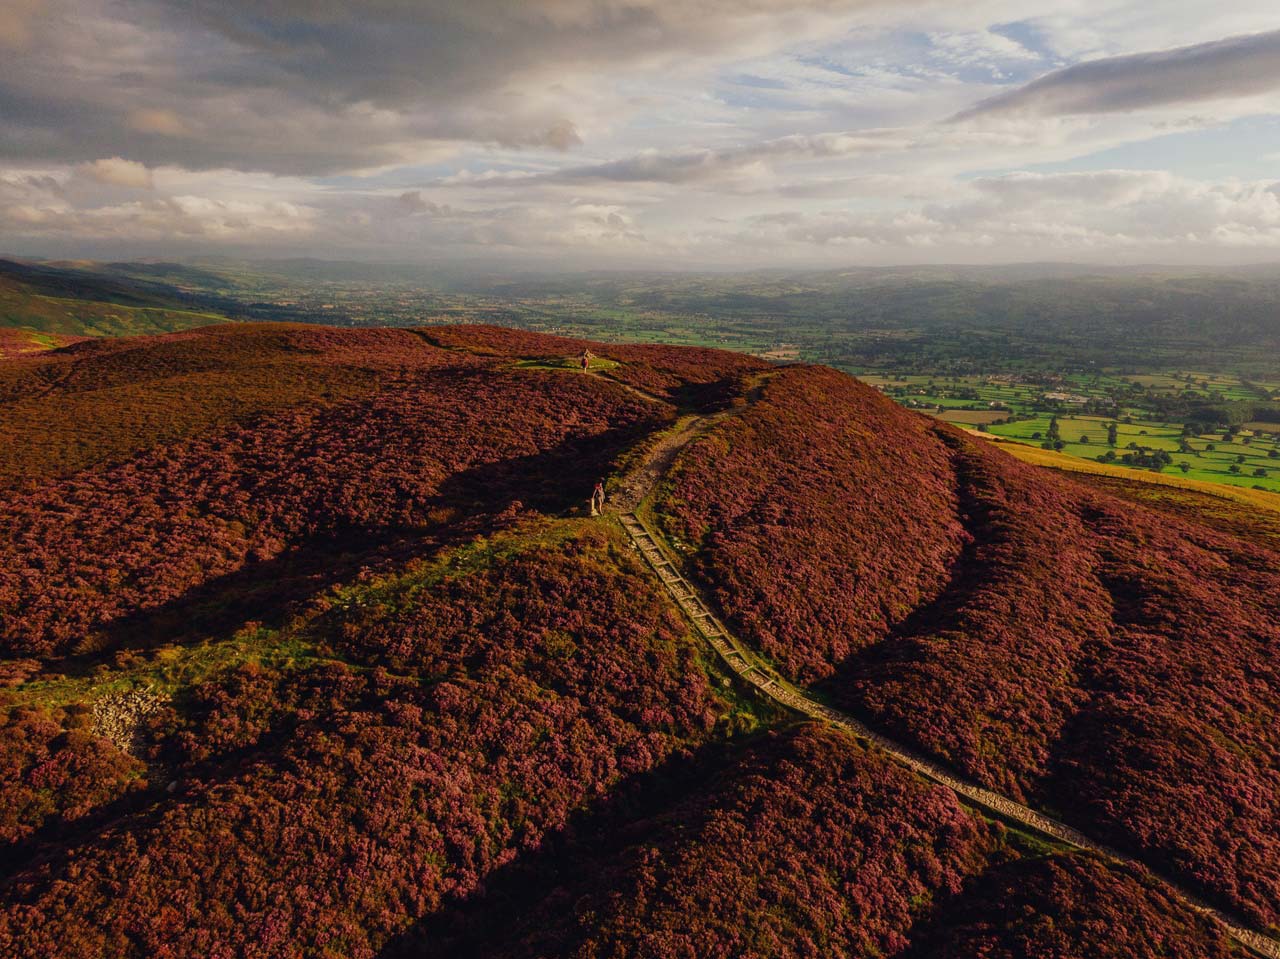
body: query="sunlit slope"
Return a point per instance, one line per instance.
(1105, 661)
(79, 303)
(1259, 499)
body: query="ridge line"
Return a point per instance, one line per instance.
(751, 670)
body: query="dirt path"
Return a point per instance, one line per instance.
(633, 487)
(642, 479)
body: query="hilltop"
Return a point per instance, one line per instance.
(311, 648)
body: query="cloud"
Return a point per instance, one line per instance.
(703, 166)
(16, 22)
(116, 171)
(318, 88)
(675, 132)
(1235, 67)
(164, 122)
(1074, 215)
(177, 219)
(562, 135)
(412, 202)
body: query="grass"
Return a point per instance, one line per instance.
(1218, 509)
(169, 670)
(973, 417)
(1054, 460)
(49, 314)
(1086, 438)
(174, 669)
(596, 364)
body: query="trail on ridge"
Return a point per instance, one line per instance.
(643, 478)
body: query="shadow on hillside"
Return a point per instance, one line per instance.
(527, 907)
(900, 647)
(473, 501)
(266, 592)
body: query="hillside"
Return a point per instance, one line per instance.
(309, 648)
(1105, 662)
(75, 302)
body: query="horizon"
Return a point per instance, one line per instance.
(651, 136)
(1077, 268)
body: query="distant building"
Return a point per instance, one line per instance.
(1074, 398)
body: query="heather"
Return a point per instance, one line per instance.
(1110, 663)
(321, 811)
(55, 770)
(820, 518)
(1065, 907)
(803, 844)
(797, 844)
(692, 375)
(100, 401)
(1147, 712)
(83, 557)
(411, 700)
(1260, 526)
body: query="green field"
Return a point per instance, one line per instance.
(1085, 403)
(1086, 437)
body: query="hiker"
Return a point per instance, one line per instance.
(597, 499)
(586, 360)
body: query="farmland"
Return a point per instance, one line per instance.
(1242, 459)
(1026, 408)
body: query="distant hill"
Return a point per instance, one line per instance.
(81, 302)
(309, 645)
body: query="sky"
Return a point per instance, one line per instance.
(648, 134)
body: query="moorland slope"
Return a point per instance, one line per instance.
(1106, 662)
(308, 649)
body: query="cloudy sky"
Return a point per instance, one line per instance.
(643, 133)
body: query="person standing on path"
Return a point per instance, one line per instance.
(597, 499)
(586, 360)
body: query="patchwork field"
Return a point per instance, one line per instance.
(1247, 459)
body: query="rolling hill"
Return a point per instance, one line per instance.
(309, 647)
(77, 302)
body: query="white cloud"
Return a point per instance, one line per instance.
(1045, 216)
(116, 171)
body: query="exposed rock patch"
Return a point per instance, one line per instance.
(118, 717)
